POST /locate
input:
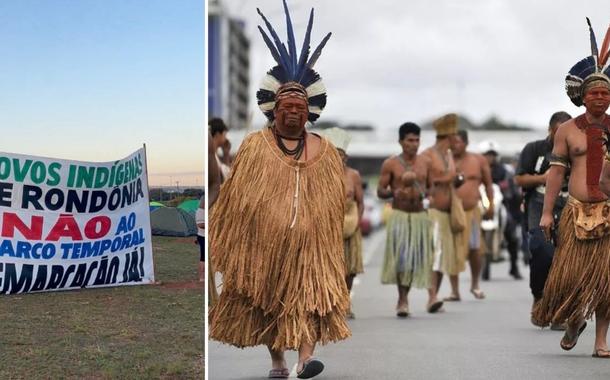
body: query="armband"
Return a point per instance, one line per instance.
(558, 160)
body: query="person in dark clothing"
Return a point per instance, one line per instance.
(511, 194)
(531, 176)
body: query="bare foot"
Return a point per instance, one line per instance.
(477, 293)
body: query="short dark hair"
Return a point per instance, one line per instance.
(559, 117)
(407, 128)
(217, 126)
(463, 135)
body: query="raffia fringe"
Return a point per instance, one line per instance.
(410, 235)
(451, 263)
(234, 320)
(212, 290)
(578, 284)
(273, 275)
(353, 253)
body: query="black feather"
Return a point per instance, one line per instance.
(584, 68)
(272, 49)
(318, 51)
(278, 43)
(309, 77)
(594, 51)
(305, 48)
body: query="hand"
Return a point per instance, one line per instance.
(543, 177)
(397, 194)
(546, 225)
(489, 213)
(226, 148)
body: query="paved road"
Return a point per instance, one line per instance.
(472, 339)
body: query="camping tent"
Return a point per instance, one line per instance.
(155, 205)
(172, 221)
(190, 205)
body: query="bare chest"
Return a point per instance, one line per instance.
(577, 144)
(469, 166)
(415, 166)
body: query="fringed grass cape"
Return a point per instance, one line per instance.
(579, 280)
(212, 290)
(409, 249)
(283, 272)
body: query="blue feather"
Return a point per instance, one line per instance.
(292, 49)
(280, 47)
(584, 68)
(272, 48)
(309, 77)
(305, 48)
(318, 51)
(594, 51)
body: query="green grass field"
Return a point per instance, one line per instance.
(131, 332)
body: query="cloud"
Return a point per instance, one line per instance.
(389, 60)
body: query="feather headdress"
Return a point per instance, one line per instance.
(593, 68)
(291, 68)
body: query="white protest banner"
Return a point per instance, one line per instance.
(68, 224)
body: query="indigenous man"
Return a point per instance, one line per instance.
(441, 179)
(473, 170)
(531, 175)
(276, 229)
(219, 130)
(214, 181)
(354, 207)
(503, 176)
(579, 281)
(409, 251)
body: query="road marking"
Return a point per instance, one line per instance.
(371, 244)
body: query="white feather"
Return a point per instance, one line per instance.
(267, 106)
(269, 83)
(315, 109)
(316, 88)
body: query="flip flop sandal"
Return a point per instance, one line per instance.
(477, 293)
(567, 337)
(312, 367)
(452, 298)
(402, 312)
(435, 307)
(279, 373)
(605, 355)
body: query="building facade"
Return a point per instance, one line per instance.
(228, 67)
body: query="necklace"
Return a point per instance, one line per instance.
(297, 151)
(443, 158)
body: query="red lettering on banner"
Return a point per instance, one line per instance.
(91, 227)
(65, 226)
(11, 221)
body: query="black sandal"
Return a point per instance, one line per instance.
(311, 367)
(566, 336)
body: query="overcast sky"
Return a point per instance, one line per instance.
(390, 61)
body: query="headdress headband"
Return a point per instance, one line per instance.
(290, 69)
(591, 69)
